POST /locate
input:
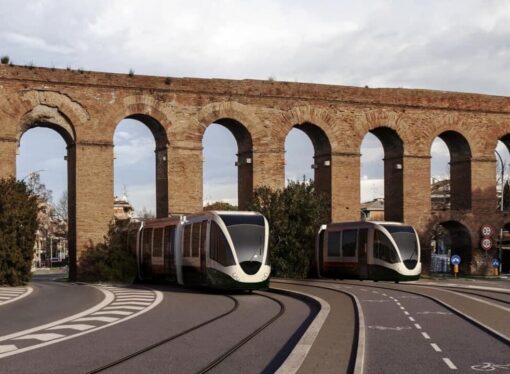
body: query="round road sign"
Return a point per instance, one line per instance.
(487, 230)
(486, 243)
(455, 259)
(495, 263)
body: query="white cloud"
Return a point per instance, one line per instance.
(371, 189)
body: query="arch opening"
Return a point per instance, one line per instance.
(450, 238)
(502, 153)
(452, 190)
(372, 178)
(393, 149)
(321, 148)
(140, 176)
(222, 182)
(46, 162)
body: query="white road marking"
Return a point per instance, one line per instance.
(375, 301)
(41, 337)
(296, 358)
(384, 328)
(417, 326)
(411, 319)
(375, 291)
(17, 294)
(425, 335)
(398, 303)
(144, 299)
(402, 308)
(440, 313)
(83, 316)
(100, 319)
(407, 313)
(79, 327)
(130, 303)
(7, 348)
(436, 347)
(449, 362)
(384, 294)
(124, 307)
(118, 312)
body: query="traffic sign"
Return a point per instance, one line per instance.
(455, 259)
(486, 243)
(495, 263)
(487, 231)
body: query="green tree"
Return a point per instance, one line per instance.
(18, 224)
(294, 215)
(220, 205)
(111, 260)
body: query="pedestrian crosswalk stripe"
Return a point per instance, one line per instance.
(41, 337)
(79, 327)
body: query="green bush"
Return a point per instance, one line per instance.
(294, 215)
(109, 261)
(18, 225)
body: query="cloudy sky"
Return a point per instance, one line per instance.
(456, 45)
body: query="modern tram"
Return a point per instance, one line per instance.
(368, 250)
(222, 250)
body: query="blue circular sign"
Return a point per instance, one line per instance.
(455, 259)
(495, 263)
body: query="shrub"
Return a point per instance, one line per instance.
(109, 261)
(294, 215)
(18, 225)
(4, 59)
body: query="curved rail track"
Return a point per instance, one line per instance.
(214, 363)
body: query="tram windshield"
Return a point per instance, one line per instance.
(405, 237)
(248, 235)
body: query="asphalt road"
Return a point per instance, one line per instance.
(179, 310)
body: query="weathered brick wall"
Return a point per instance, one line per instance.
(86, 107)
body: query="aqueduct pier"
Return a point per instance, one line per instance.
(85, 108)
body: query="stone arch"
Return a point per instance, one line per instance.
(460, 168)
(235, 118)
(458, 241)
(393, 147)
(159, 132)
(55, 118)
(317, 124)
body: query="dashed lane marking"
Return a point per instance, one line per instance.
(449, 363)
(406, 313)
(111, 311)
(436, 347)
(411, 319)
(417, 326)
(425, 335)
(11, 294)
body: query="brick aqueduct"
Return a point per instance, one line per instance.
(85, 108)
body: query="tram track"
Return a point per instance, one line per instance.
(167, 340)
(214, 363)
(218, 360)
(505, 338)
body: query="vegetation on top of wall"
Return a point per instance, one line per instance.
(4, 59)
(18, 225)
(220, 205)
(294, 215)
(110, 260)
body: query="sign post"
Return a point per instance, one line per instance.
(495, 264)
(455, 260)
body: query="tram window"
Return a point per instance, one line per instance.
(383, 249)
(203, 234)
(334, 243)
(157, 243)
(169, 241)
(349, 243)
(187, 241)
(219, 249)
(147, 242)
(363, 242)
(195, 240)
